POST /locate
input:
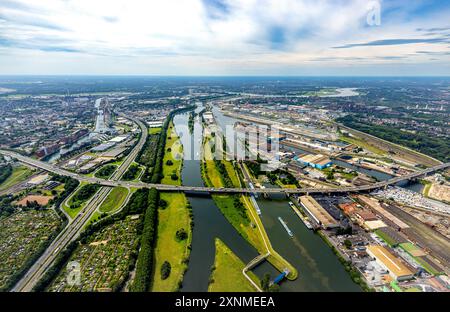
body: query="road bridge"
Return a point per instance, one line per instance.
(74, 228)
(203, 189)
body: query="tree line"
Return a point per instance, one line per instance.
(144, 263)
(158, 167)
(5, 172)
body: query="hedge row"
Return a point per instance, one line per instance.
(158, 168)
(144, 264)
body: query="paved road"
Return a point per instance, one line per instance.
(73, 229)
(183, 188)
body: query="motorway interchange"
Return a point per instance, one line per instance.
(74, 228)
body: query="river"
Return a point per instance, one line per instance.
(209, 222)
(318, 268)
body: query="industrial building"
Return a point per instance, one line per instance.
(155, 124)
(397, 270)
(102, 147)
(208, 117)
(376, 206)
(118, 139)
(317, 212)
(318, 161)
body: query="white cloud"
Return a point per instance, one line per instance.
(154, 36)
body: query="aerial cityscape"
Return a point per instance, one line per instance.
(313, 181)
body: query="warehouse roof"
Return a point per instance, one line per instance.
(391, 262)
(318, 211)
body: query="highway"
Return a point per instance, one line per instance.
(184, 188)
(73, 229)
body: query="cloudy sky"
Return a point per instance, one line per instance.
(225, 37)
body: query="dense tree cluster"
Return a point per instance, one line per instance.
(83, 194)
(131, 173)
(223, 172)
(165, 270)
(5, 172)
(144, 263)
(181, 234)
(434, 146)
(284, 176)
(105, 172)
(147, 156)
(6, 208)
(70, 185)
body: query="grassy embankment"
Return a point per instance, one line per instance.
(250, 227)
(361, 143)
(227, 274)
(426, 187)
(19, 174)
(175, 216)
(114, 200)
(154, 130)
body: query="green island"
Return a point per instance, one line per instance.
(238, 209)
(174, 223)
(105, 172)
(227, 274)
(114, 200)
(79, 199)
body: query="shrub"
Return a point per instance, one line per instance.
(181, 235)
(165, 270)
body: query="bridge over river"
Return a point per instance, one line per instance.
(204, 190)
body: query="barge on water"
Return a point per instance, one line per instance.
(286, 227)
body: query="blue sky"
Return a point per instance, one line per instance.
(225, 37)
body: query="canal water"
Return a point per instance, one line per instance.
(319, 269)
(380, 176)
(209, 222)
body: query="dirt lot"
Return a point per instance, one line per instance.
(439, 222)
(439, 192)
(40, 199)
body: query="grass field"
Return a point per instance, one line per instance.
(94, 218)
(174, 217)
(18, 175)
(412, 249)
(426, 189)
(175, 156)
(232, 173)
(361, 143)
(114, 199)
(387, 238)
(154, 130)
(227, 272)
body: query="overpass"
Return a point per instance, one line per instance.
(199, 189)
(75, 226)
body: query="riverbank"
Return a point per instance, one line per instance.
(174, 216)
